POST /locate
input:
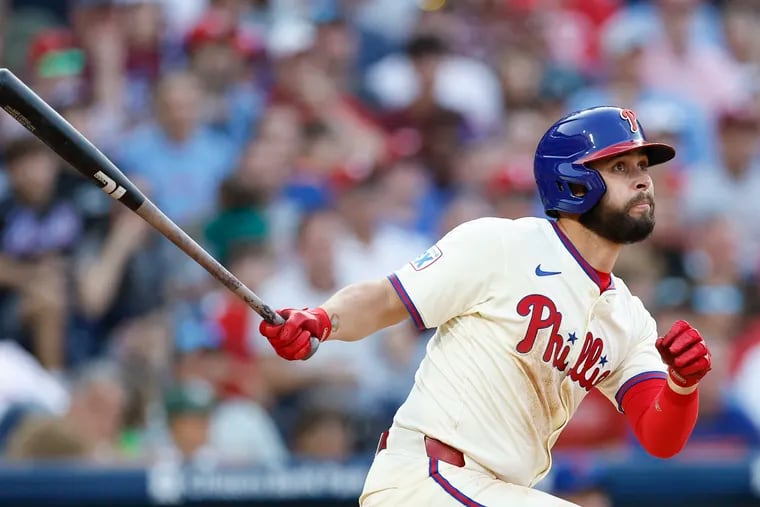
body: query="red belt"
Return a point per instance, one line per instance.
(433, 448)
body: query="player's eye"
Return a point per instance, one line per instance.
(619, 167)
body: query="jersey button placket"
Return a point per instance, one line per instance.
(577, 346)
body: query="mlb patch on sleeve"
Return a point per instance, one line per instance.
(430, 255)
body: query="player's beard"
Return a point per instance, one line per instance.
(616, 224)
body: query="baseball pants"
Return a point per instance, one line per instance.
(404, 475)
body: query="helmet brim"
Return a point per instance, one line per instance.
(657, 153)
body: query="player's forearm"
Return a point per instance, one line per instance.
(661, 418)
(361, 309)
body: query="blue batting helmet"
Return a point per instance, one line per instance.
(582, 137)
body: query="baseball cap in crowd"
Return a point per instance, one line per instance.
(326, 12)
(190, 397)
(195, 332)
(53, 53)
(511, 181)
(216, 28)
(745, 117)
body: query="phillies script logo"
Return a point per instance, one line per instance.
(587, 370)
(629, 115)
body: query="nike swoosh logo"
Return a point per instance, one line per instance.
(541, 272)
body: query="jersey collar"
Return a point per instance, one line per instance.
(583, 263)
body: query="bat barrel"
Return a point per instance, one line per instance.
(27, 108)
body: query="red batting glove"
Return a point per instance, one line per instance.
(292, 340)
(685, 352)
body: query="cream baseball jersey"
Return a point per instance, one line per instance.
(524, 333)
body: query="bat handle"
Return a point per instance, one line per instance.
(269, 315)
(176, 235)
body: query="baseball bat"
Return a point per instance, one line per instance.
(27, 108)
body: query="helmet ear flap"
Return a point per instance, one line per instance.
(575, 189)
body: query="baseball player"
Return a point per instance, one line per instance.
(529, 319)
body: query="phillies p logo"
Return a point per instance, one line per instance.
(629, 115)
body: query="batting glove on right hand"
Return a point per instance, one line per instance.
(293, 339)
(685, 352)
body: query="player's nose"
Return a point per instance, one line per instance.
(642, 181)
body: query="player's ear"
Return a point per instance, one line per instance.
(578, 190)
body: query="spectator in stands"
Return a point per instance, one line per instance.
(510, 198)
(120, 274)
(39, 230)
(204, 430)
(177, 160)
(703, 72)
(45, 438)
(56, 67)
(146, 51)
(221, 55)
(252, 264)
(741, 27)
(369, 245)
(322, 432)
(239, 428)
(730, 187)
(241, 220)
(463, 208)
(430, 73)
(188, 407)
(405, 187)
(96, 408)
(261, 188)
(302, 81)
(336, 44)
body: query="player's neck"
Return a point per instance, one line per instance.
(596, 250)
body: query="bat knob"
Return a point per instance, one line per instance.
(314, 346)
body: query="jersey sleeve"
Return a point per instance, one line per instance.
(453, 276)
(642, 361)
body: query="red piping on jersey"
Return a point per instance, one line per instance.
(588, 268)
(402, 294)
(661, 419)
(449, 488)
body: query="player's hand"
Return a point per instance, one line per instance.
(685, 352)
(292, 340)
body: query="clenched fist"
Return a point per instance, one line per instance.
(685, 352)
(292, 340)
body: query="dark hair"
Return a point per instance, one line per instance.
(22, 147)
(425, 45)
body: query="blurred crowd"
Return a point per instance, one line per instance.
(312, 143)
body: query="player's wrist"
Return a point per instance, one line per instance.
(679, 385)
(323, 323)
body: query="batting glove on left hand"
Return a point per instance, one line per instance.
(685, 352)
(292, 340)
